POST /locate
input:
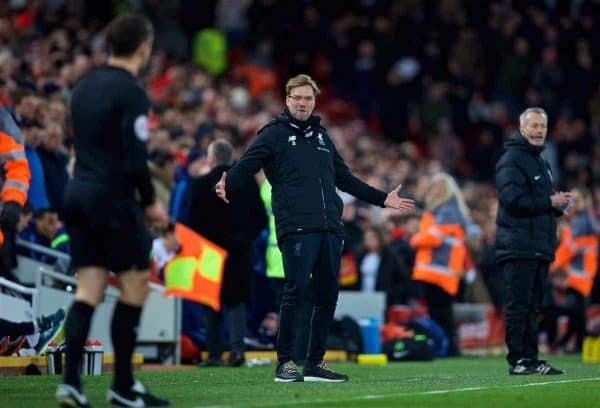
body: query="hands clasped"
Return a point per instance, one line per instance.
(560, 200)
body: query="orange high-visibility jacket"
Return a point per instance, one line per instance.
(440, 246)
(577, 252)
(15, 170)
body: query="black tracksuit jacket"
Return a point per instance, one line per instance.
(304, 168)
(526, 220)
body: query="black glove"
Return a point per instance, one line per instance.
(9, 217)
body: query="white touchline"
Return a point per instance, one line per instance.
(410, 394)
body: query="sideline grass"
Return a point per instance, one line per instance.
(456, 382)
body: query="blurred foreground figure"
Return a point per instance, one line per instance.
(104, 217)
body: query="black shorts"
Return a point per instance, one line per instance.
(104, 231)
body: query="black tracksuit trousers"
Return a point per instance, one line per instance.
(525, 287)
(309, 259)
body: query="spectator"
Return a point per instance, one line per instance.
(162, 169)
(54, 161)
(37, 195)
(381, 269)
(47, 231)
(164, 248)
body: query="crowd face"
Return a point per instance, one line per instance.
(534, 129)
(301, 102)
(53, 139)
(48, 224)
(371, 241)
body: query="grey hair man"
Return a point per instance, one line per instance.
(526, 237)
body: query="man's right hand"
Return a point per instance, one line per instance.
(560, 200)
(220, 188)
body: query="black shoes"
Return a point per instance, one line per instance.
(544, 368)
(320, 372)
(138, 396)
(124, 399)
(150, 400)
(288, 372)
(523, 366)
(236, 359)
(211, 362)
(70, 397)
(527, 366)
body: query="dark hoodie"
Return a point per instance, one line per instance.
(526, 220)
(304, 168)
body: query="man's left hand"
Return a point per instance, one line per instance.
(399, 203)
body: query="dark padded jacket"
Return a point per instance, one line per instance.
(526, 221)
(304, 168)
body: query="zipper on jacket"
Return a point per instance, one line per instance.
(323, 201)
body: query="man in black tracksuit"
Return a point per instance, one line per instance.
(304, 168)
(526, 237)
(234, 227)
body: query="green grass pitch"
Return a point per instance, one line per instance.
(455, 382)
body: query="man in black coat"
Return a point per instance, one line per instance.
(526, 237)
(234, 227)
(304, 167)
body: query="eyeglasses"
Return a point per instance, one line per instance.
(298, 98)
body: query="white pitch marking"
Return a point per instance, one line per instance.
(411, 394)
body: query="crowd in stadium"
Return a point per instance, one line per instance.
(409, 91)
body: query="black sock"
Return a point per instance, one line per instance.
(77, 327)
(125, 321)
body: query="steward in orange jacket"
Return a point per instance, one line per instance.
(14, 176)
(440, 246)
(441, 252)
(577, 253)
(576, 257)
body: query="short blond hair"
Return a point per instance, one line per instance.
(301, 80)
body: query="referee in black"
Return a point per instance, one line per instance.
(105, 205)
(304, 167)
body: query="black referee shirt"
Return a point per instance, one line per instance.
(110, 125)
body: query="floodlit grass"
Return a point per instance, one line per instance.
(455, 382)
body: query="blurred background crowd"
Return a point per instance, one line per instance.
(411, 88)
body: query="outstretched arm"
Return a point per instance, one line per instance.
(393, 200)
(250, 163)
(348, 182)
